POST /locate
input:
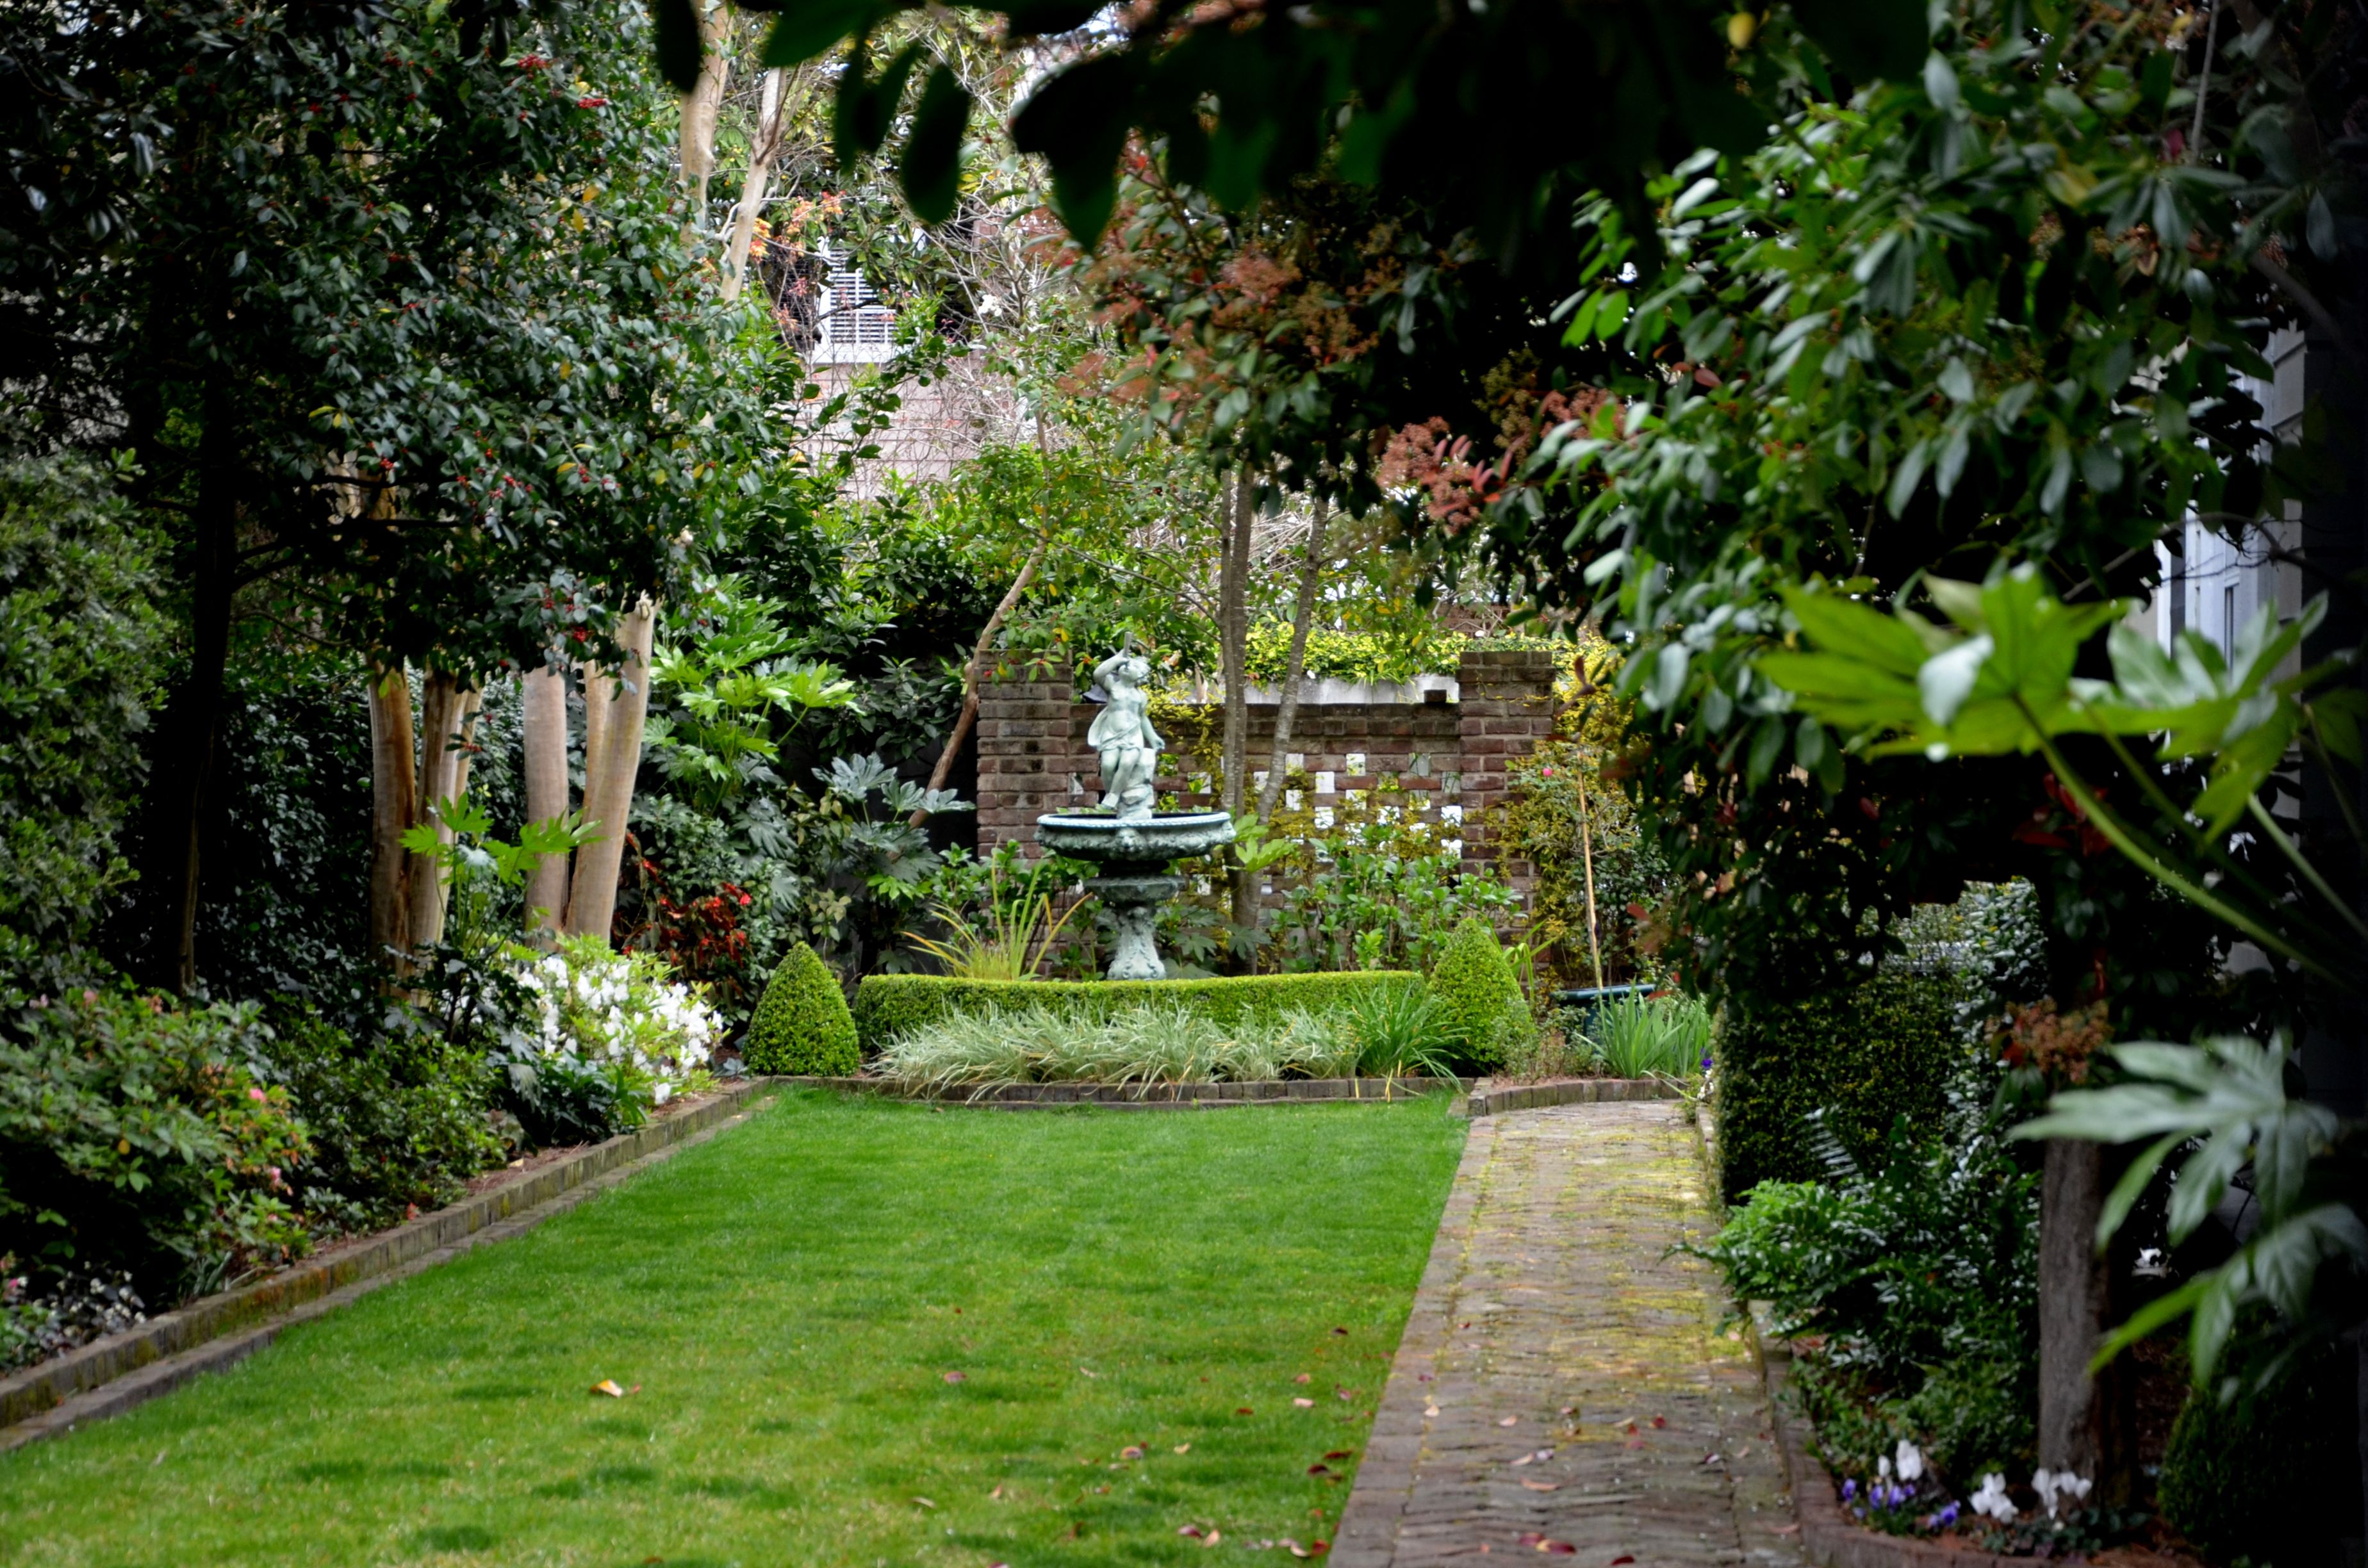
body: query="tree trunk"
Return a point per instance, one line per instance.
(608, 777)
(441, 713)
(1233, 635)
(190, 733)
(2085, 1424)
(772, 109)
(699, 111)
(972, 675)
(393, 802)
(1295, 664)
(545, 704)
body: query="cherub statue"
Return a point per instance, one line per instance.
(1122, 733)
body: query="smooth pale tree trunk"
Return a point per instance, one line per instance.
(394, 783)
(1295, 664)
(609, 776)
(439, 718)
(545, 704)
(771, 111)
(974, 674)
(2085, 1422)
(1232, 635)
(700, 106)
(190, 726)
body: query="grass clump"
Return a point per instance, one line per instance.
(791, 1303)
(889, 1007)
(804, 1024)
(1635, 1036)
(1385, 1031)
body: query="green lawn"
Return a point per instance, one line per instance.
(789, 1299)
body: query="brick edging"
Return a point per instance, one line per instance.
(1828, 1534)
(1581, 1091)
(213, 1331)
(1385, 1475)
(1144, 1096)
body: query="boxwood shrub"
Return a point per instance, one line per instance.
(888, 1006)
(801, 1026)
(1865, 1054)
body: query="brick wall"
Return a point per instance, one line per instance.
(1438, 756)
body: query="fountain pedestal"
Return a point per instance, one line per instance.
(1134, 854)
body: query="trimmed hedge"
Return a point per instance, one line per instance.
(2262, 1476)
(1865, 1055)
(888, 1006)
(1473, 981)
(803, 1025)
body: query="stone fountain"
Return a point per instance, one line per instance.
(1134, 844)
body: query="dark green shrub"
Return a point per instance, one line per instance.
(401, 1120)
(1863, 1055)
(135, 1136)
(79, 660)
(888, 1006)
(1917, 1282)
(2261, 1476)
(564, 1100)
(803, 1025)
(1474, 984)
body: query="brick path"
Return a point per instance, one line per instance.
(1551, 1327)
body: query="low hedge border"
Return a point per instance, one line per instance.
(1145, 1097)
(114, 1374)
(890, 1005)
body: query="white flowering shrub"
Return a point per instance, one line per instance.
(615, 1012)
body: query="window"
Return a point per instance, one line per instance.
(856, 327)
(2229, 621)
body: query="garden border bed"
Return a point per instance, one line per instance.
(1144, 1096)
(113, 1375)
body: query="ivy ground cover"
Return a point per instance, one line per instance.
(853, 1332)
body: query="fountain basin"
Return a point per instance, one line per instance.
(1134, 854)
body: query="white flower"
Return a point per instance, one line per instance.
(1910, 1461)
(2059, 1484)
(1991, 1502)
(1883, 1468)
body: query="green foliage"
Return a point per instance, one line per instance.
(1920, 1273)
(134, 1135)
(79, 649)
(1860, 1056)
(1160, 1042)
(1380, 893)
(1486, 1014)
(1399, 1030)
(888, 1008)
(804, 1024)
(2261, 1475)
(1636, 1036)
(396, 1122)
(717, 697)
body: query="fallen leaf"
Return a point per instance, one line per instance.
(1624, 1557)
(1509, 1421)
(1319, 1470)
(1564, 1547)
(1660, 1420)
(1340, 1331)
(1525, 1458)
(1430, 1410)
(1129, 1453)
(1531, 1537)
(998, 1490)
(1784, 1530)
(1422, 1377)
(1568, 1410)
(609, 1387)
(1341, 1394)
(1212, 1539)
(1191, 1530)
(1542, 1485)
(647, 1560)
(1304, 1404)
(1303, 1377)
(1241, 1410)
(1341, 1454)
(924, 1503)
(1183, 1448)
(1710, 1458)
(1089, 1371)
(957, 1377)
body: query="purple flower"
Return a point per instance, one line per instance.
(1849, 1489)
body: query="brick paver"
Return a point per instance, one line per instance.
(1563, 1385)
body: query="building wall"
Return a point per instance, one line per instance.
(1441, 757)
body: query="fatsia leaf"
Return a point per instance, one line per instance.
(806, 27)
(931, 168)
(679, 47)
